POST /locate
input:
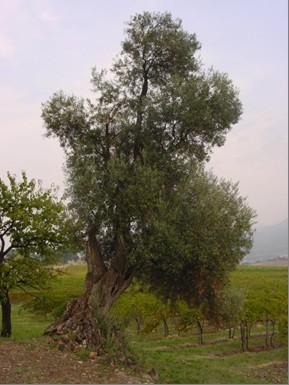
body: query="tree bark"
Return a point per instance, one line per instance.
(200, 329)
(84, 318)
(166, 328)
(6, 316)
(138, 324)
(244, 333)
(247, 334)
(243, 336)
(231, 332)
(272, 333)
(266, 333)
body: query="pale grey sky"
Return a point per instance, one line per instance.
(50, 45)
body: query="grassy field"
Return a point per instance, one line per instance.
(179, 359)
(260, 278)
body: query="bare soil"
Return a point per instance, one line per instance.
(38, 362)
(276, 373)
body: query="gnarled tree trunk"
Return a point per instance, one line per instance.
(83, 320)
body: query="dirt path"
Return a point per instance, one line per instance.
(38, 363)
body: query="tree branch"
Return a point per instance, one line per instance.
(119, 259)
(143, 94)
(7, 250)
(95, 262)
(2, 247)
(10, 225)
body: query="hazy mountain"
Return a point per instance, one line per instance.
(269, 242)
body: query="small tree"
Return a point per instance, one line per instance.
(135, 305)
(190, 316)
(161, 314)
(32, 227)
(230, 308)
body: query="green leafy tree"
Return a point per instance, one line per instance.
(270, 306)
(230, 309)
(129, 158)
(161, 314)
(191, 316)
(32, 228)
(199, 236)
(135, 305)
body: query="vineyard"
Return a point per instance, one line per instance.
(249, 332)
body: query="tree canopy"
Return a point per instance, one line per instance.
(197, 239)
(31, 219)
(33, 226)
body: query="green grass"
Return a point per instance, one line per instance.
(69, 283)
(26, 325)
(260, 277)
(179, 359)
(223, 362)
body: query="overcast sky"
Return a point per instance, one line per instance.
(50, 45)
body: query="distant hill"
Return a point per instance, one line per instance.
(269, 242)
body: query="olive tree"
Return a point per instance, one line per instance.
(130, 151)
